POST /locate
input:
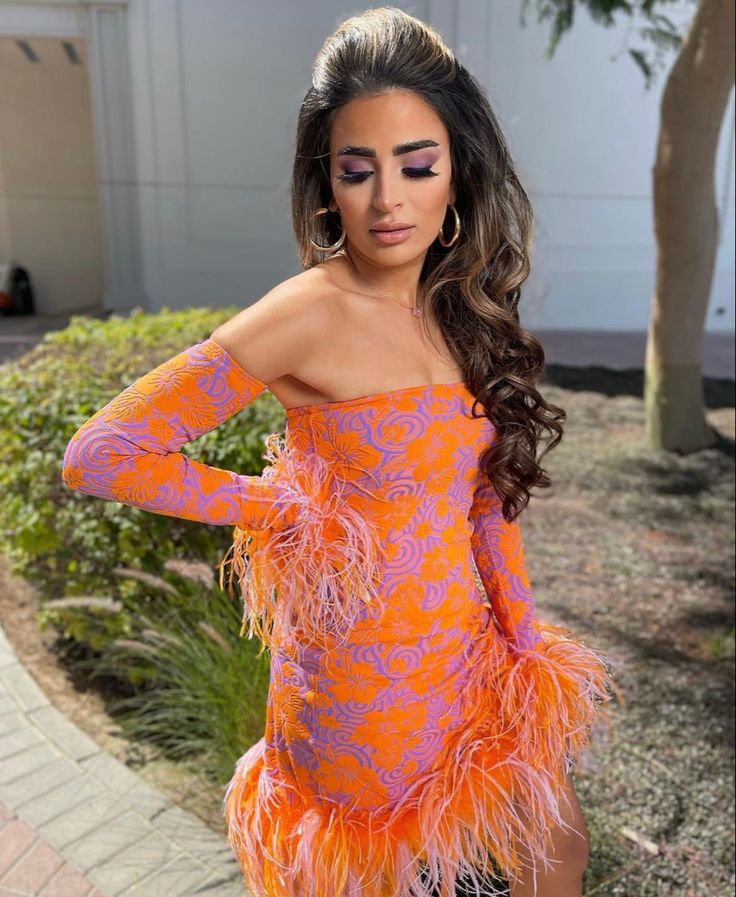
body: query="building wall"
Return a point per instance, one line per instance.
(583, 130)
(196, 132)
(4, 225)
(217, 90)
(49, 215)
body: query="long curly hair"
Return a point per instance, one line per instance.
(473, 287)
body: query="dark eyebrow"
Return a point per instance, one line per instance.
(399, 150)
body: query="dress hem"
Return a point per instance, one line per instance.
(495, 797)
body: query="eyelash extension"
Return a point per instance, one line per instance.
(358, 177)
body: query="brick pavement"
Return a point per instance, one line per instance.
(76, 822)
(29, 865)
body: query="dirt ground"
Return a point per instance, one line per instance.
(633, 551)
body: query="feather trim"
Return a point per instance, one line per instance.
(488, 806)
(311, 574)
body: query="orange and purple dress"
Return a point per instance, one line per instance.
(421, 718)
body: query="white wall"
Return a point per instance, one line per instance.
(49, 216)
(583, 130)
(219, 87)
(195, 143)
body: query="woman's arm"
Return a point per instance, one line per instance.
(499, 556)
(129, 450)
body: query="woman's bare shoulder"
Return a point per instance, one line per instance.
(275, 335)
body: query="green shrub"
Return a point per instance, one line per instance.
(203, 689)
(69, 543)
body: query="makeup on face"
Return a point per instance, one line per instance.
(354, 170)
(356, 163)
(390, 237)
(401, 149)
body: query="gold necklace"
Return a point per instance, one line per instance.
(415, 310)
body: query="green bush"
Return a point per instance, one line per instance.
(202, 694)
(69, 543)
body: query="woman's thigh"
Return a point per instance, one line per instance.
(569, 851)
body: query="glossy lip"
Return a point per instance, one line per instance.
(391, 237)
(392, 225)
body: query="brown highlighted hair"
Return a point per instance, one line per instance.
(474, 286)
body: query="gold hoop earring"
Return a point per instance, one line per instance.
(455, 235)
(334, 246)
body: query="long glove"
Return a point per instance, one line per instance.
(294, 535)
(129, 450)
(499, 558)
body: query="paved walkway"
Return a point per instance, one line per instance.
(76, 822)
(19, 333)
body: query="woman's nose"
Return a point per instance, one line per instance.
(387, 191)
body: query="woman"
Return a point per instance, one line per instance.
(421, 730)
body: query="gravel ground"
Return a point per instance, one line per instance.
(634, 550)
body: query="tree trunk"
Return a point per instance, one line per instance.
(686, 227)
